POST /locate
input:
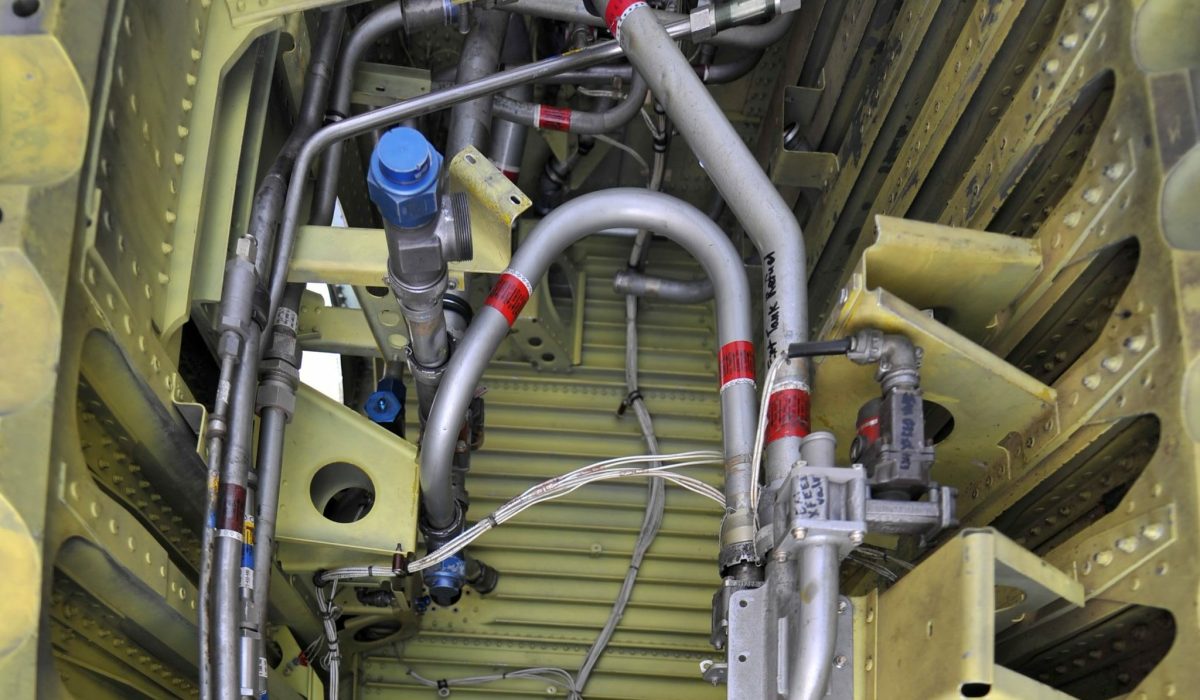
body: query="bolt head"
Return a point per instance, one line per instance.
(856, 537)
(799, 533)
(781, 556)
(840, 661)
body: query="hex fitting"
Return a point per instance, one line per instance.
(402, 178)
(386, 404)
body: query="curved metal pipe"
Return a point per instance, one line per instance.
(575, 121)
(677, 291)
(393, 17)
(756, 203)
(769, 222)
(665, 215)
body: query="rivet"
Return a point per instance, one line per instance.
(1128, 545)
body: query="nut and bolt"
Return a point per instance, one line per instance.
(840, 661)
(799, 533)
(781, 556)
(856, 537)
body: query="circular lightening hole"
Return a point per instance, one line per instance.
(26, 8)
(342, 492)
(939, 422)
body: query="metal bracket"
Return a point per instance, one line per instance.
(494, 202)
(976, 585)
(802, 168)
(752, 636)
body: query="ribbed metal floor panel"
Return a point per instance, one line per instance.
(562, 563)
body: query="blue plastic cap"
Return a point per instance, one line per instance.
(382, 407)
(403, 178)
(386, 405)
(446, 579)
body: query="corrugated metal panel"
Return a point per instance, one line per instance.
(562, 563)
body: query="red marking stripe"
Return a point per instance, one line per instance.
(869, 429)
(787, 414)
(554, 118)
(232, 507)
(509, 295)
(616, 12)
(736, 360)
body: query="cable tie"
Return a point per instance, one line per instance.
(635, 395)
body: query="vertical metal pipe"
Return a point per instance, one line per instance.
(756, 203)
(227, 615)
(216, 452)
(272, 422)
(508, 138)
(816, 622)
(471, 122)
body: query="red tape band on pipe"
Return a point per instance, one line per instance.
(787, 414)
(510, 294)
(736, 360)
(553, 118)
(617, 11)
(869, 429)
(231, 508)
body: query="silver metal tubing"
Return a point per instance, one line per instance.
(216, 451)
(666, 215)
(816, 622)
(578, 121)
(751, 196)
(471, 121)
(678, 291)
(415, 107)
(227, 615)
(508, 138)
(751, 36)
(393, 17)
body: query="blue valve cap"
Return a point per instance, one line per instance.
(403, 178)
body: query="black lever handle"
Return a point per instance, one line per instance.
(819, 348)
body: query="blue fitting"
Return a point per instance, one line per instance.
(446, 580)
(386, 405)
(403, 178)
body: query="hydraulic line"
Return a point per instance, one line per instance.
(229, 634)
(639, 284)
(471, 121)
(756, 36)
(221, 615)
(770, 223)
(508, 138)
(575, 121)
(766, 218)
(572, 221)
